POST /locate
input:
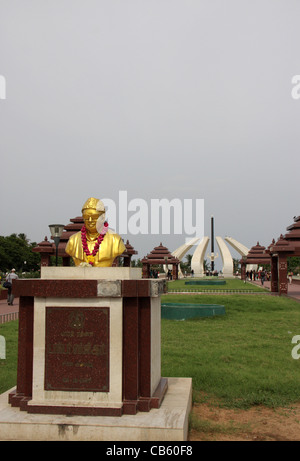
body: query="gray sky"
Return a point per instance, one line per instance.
(161, 98)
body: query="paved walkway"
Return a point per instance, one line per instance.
(6, 309)
(293, 289)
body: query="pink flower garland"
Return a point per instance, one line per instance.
(91, 256)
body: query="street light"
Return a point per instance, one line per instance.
(56, 231)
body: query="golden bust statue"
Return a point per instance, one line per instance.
(95, 244)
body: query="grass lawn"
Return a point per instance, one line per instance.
(8, 367)
(235, 285)
(242, 358)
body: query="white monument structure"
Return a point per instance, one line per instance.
(227, 269)
(198, 258)
(242, 250)
(183, 249)
(197, 263)
(239, 247)
(181, 252)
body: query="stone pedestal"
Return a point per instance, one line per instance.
(169, 422)
(274, 272)
(89, 343)
(282, 275)
(243, 270)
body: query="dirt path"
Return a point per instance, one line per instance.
(256, 424)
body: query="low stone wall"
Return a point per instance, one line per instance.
(206, 282)
(183, 311)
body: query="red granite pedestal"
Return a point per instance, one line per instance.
(88, 346)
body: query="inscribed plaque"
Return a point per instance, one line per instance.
(77, 349)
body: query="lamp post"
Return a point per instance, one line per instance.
(56, 231)
(212, 245)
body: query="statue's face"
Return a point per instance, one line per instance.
(90, 219)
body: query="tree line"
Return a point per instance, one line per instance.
(16, 252)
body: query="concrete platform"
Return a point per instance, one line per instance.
(168, 423)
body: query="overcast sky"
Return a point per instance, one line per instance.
(187, 99)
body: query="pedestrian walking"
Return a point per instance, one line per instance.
(262, 276)
(10, 277)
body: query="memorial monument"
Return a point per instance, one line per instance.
(89, 350)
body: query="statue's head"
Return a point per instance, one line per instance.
(93, 213)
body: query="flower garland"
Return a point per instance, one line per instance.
(91, 256)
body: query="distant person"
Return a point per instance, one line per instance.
(262, 276)
(10, 277)
(290, 276)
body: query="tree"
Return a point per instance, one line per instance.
(189, 261)
(136, 263)
(236, 265)
(205, 265)
(293, 264)
(23, 237)
(16, 252)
